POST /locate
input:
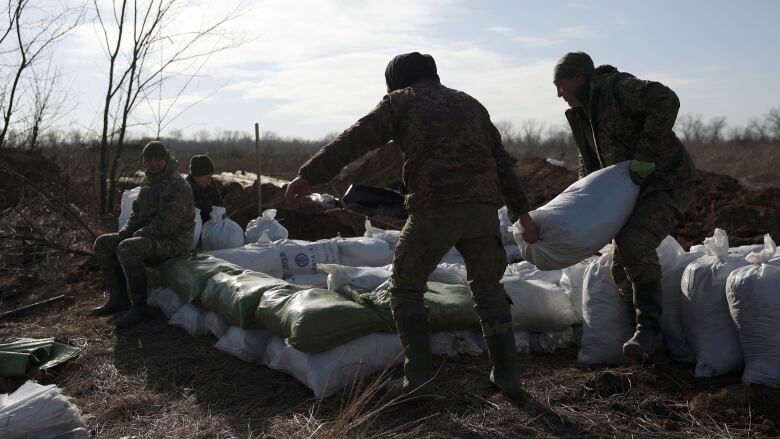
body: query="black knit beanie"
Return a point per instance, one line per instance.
(201, 165)
(156, 149)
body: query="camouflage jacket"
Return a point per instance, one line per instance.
(627, 119)
(164, 210)
(452, 152)
(205, 197)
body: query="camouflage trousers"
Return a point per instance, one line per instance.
(473, 229)
(132, 253)
(654, 217)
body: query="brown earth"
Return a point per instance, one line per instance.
(155, 380)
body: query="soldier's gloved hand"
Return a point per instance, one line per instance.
(297, 189)
(529, 229)
(640, 170)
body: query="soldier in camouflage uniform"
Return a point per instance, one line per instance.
(160, 227)
(204, 192)
(457, 174)
(616, 117)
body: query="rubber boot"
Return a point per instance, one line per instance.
(501, 346)
(116, 286)
(139, 308)
(415, 334)
(646, 342)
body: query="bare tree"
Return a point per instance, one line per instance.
(142, 47)
(715, 130)
(48, 102)
(773, 123)
(29, 33)
(691, 128)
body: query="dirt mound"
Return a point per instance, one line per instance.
(33, 166)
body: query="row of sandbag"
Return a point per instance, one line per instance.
(721, 309)
(325, 373)
(314, 319)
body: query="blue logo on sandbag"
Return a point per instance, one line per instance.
(301, 260)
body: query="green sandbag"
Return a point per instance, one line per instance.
(315, 320)
(450, 307)
(234, 297)
(187, 275)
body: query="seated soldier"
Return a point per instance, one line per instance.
(204, 191)
(160, 227)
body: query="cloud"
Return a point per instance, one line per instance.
(556, 37)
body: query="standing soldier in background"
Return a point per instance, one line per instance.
(616, 117)
(457, 174)
(204, 192)
(160, 227)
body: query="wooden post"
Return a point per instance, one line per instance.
(259, 174)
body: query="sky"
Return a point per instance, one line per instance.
(307, 69)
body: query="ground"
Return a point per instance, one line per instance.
(155, 380)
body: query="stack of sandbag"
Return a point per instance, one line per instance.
(265, 223)
(36, 411)
(674, 259)
(528, 271)
(582, 219)
(753, 294)
(391, 236)
(539, 306)
(220, 232)
(262, 256)
(302, 257)
(606, 321)
(709, 328)
(369, 278)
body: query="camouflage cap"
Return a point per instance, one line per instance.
(154, 149)
(572, 64)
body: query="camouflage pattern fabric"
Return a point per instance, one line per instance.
(204, 197)
(626, 119)
(452, 152)
(427, 236)
(164, 211)
(133, 253)
(635, 246)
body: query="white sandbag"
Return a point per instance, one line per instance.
(215, 325)
(742, 250)
(606, 323)
(262, 256)
(572, 279)
(328, 372)
(326, 201)
(265, 223)
(454, 343)
(365, 252)
(37, 411)
(528, 271)
(504, 224)
(220, 232)
(674, 259)
(391, 236)
(512, 253)
(538, 306)
(166, 299)
(316, 280)
(364, 278)
(449, 273)
(302, 257)
(452, 256)
(551, 342)
(582, 219)
(191, 319)
(126, 206)
(709, 329)
(196, 231)
(246, 345)
(753, 294)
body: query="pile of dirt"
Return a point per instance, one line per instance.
(33, 166)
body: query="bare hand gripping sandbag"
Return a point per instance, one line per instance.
(582, 219)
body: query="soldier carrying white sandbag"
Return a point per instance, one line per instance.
(616, 117)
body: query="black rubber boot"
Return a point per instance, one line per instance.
(645, 345)
(139, 308)
(414, 330)
(116, 286)
(503, 354)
